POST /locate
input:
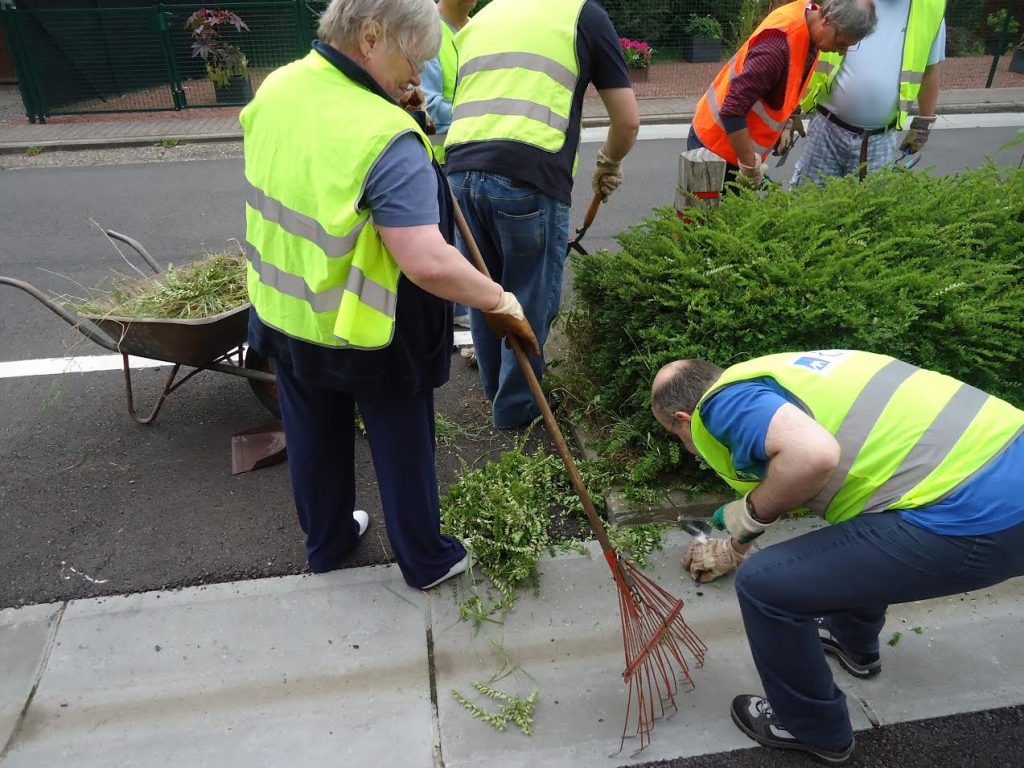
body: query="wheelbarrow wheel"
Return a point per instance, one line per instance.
(265, 392)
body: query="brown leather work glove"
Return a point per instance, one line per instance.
(714, 558)
(508, 319)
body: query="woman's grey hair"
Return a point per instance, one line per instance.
(680, 385)
(854, 19)
(412, 26)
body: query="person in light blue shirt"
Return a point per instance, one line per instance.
(855, 126)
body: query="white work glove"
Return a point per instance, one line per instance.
(607, 175)
(917, 135)
(507, 318)
(735, 518)
(751, 176)
(711, 559)
(794, 127)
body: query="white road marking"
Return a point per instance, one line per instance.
(51, 366)
(681, 130)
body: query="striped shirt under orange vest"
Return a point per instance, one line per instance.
(764, 123)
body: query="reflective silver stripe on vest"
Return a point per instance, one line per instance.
(910, 76)
(906, 105)
(518, 107)
(857, 425)
(933, 446)
(761, 111)
(824, 66)
(370, 293)
(293, 285)
(716, 114)
(301, 225)
(532, 61)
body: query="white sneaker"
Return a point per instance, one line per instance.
(455, 570)
(362, 519)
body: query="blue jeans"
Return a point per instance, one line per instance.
(522, 235)
(850, 573)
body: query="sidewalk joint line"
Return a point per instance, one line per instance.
(435, 715)
(55, 621)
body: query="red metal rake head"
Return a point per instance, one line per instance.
(653, 633)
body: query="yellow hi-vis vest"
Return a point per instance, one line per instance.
(448, 57)
(517, 73)
(317, 268)
(908, 436)
(922, 26)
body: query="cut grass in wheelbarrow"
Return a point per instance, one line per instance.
(213, 342)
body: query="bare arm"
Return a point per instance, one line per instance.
(740, 141)
(801, 456)
(625, 121)
(928, 96)
(439, 268)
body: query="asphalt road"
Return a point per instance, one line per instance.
(91, 503)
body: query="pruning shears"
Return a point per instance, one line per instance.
(907, 159)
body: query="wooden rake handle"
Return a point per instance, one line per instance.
(538, 393)
(588, 219)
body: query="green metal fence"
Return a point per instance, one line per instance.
(82, 56)
(128, 59)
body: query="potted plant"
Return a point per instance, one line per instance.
(226, 65)
(1017, 62)
(637, 54)
(703, 39)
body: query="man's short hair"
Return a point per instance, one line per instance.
(680, 385)
(853, 19)
(410, 25)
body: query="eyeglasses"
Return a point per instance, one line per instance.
(417, 67)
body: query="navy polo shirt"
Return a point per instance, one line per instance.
(599, 54)
(419, 355)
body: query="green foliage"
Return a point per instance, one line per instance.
(638, 541)
(926, 269)
(512, 709)
(167, 143)
(34, 150)
(212, 42)
(704, 26)
(961, 41)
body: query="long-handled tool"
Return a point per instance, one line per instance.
(588, 219)
(652, 623)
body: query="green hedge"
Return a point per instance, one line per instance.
(926, 269)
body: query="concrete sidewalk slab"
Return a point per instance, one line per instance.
(965, 659)
(245, 674)
(568, 644)
(26, 635)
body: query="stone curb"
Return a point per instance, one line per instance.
(597, 121)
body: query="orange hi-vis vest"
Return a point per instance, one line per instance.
(763, 123)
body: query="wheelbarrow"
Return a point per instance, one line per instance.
(207, 344)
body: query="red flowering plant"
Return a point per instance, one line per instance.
(637, 53)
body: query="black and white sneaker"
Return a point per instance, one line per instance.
(754, 716)
(862, 665)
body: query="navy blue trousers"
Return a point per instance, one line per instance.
(319, 426)
(850, 573)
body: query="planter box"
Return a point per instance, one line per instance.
(239, 91)
(702, 49)
(1017, 62)
(639, 74)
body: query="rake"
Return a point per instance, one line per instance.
(653, 629)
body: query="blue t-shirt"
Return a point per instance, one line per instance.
(599, 54)
(992, 500)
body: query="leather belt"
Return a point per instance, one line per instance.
(862, 132)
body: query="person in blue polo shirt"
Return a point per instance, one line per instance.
(921, 476)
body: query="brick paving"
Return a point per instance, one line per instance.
(668, 91)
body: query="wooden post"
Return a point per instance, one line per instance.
(701, 178)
